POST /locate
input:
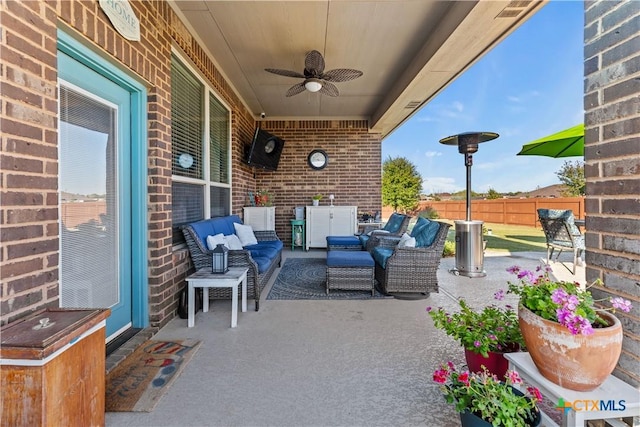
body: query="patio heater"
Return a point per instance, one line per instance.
(469, 250)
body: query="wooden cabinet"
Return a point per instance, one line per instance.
(323, 221)
(260, 218)
(52, 369)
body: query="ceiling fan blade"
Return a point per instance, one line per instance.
(341, 75)
(286, 73)
(295, 89)
(314, 63)
(329, 89)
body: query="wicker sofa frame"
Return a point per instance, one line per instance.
(202, 258)
(411, 270)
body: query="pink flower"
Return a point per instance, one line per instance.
(621, 304)
(534, 393)
(499, 295)
(514, 377)
(477, 343)
(441, 376)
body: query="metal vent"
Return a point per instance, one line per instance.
(413, 104)
(509, 13)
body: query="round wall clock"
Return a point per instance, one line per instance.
(318, 159)
(185, 160)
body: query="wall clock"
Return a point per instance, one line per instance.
(318, 159)
(185, 160)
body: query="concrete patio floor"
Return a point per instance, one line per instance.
(325, 363)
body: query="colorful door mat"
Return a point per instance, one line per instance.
(138, 383)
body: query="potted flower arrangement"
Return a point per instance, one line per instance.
(485, 335)
(560, 318)
(484, 400)
(316, 199)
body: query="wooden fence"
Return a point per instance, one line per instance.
(501, 211)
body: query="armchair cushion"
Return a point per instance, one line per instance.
(381, 255)
(425, 232)
(394, 223)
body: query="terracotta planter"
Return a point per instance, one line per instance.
(495, 363)
(577, 362)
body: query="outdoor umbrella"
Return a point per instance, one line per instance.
(566, 143)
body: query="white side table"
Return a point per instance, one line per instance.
(205, 279)
(579, 405)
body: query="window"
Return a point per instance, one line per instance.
(200, 129)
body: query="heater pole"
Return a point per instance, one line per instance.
(468, 161)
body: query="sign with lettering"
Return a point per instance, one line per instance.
(122, 17)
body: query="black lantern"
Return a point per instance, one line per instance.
(220, 259)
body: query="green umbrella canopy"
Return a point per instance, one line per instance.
(566, 143)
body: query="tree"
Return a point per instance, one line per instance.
(493, 194)
(571, 174)
(401, 184)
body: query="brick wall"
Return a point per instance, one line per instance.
(612, 162)
(29, 216)
(353, 174)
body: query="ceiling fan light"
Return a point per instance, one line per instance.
(313, 85)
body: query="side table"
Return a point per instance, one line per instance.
(297, 234)
(603, 403)
(205, 279)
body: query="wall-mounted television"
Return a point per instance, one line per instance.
(265, 150)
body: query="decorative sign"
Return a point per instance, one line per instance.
(122, 17)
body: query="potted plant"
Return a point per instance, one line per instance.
(485, 335)
(316, 199)
(572, 343)
(484, 400)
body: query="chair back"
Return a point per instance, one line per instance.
(559, 226)
(397, 223)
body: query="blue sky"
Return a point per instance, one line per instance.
(527, 87)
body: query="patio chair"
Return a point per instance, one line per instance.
(561, 233)
(401, 268)
(395, 226)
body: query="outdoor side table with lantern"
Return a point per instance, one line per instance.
(205, 279)
(297, 234)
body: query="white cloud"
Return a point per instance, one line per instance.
(457, 105)
(433, 153)
(513, 98)
(427, 119)
(439, 184)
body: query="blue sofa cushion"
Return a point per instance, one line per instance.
(213, 226)
(349, 259)
(263, 263)
(425, 232)
(261, 250)
(363, 240)
(381, 255)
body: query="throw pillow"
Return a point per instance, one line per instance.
(407, 241)
(245, 234)
(427, 234)
(233, 242)
(215, 240)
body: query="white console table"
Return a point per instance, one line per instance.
(582, 407)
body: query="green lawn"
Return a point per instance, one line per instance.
(511, 238)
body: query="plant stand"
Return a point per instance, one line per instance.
(578, 406)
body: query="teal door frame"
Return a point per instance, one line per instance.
(139, 227)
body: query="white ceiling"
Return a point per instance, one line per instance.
(408, 50)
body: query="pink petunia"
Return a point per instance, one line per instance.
(621, 304)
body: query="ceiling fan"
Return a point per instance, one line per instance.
(315, 78)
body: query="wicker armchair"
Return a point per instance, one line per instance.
(402, 269)
(256, 281)
(396, 226)
(561, 233)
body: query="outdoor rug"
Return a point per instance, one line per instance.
(305, 278)
(139, 381)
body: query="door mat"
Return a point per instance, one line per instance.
(138, 382)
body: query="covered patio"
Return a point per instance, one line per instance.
(325, 362)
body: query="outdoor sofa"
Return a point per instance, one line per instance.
(261, 259)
